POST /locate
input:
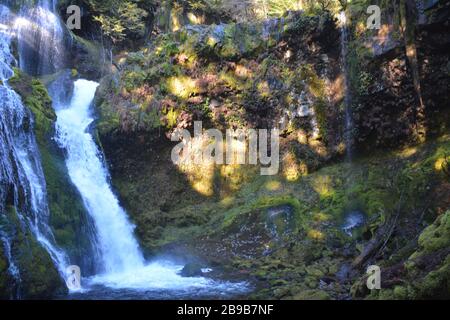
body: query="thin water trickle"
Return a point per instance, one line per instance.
(348, 125)
(353, 220)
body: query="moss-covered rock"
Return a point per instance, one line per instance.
(424, 275)
(312, 295)
(434, 238)
(240, 75)
(275, 74)
(38, 276)
(5, 281)
(429, 267)
(35, 97)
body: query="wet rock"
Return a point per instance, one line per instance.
(192, 270)
(343, 274)
(280, 220)
(281, 292)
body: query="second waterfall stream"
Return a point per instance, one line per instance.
(120, 258)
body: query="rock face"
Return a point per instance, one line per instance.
(242, 75)
(88, 58)
(284, 232)
(28, 271)
(399, 75)
(272, 74)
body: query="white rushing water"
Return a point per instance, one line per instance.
(123, 262)
(41, 38)
(119, 249)
(20, 165)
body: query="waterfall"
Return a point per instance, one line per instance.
(119, 249)
(118, 258)
(22, 183)
(122, 263)
(41, 39)
(348, 129)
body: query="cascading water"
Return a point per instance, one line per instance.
(122, 262)
(348, 133)
(6, 60)
(22, 183)
(41, 38)
(119, 260)
(119, 249)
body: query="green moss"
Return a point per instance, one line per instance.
(436, 284)
(400, 293)
(436, 236)
(39, 277)
(67, 212)
(109, 120)
(5, 287)
(35, 96)
(263, 202)
(38, 274)
(312, 295)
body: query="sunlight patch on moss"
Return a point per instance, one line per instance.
(183, 87)
(273, 185)
(316, 235)
(323, 186)
(321, 217)
(408, 152)
(264, 89)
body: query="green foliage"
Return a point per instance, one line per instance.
(120, 19)
(247, 10)
(277, 8)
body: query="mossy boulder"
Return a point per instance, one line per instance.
(434, 238)
(39, 277)
(312, 295)
(424, 275)
(429, 266)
